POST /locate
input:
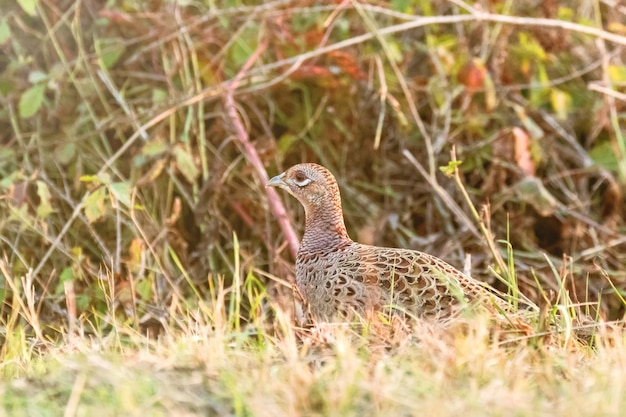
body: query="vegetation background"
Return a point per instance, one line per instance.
(145, 268)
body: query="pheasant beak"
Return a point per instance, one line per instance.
(277, 181)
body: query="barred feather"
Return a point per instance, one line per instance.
(339, 277)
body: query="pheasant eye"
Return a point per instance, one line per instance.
(301, 179)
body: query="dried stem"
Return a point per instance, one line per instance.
(484, 228)
(252, 155)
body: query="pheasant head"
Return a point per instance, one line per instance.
(317, 190)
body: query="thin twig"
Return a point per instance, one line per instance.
(255, 79)
(440, 20)
(404, 86)
(383, 102)
(454, 207)
(486, 231)
(251, 153)
(595, 86)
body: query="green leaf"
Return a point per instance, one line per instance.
(104, 177)
(5, 31)
(109, 51)
(529, 47)
(448, 170)
(45, 207)
(29, 6)
(402, 6)
(22, 216)
(539, 95)
(10, 179)
(436, 91)
(185, 164)
(6, 86)
(529, 124)
(285, 142)
(64, 153)
(121, 192)
(94, 204)
(83, 302)
(159, 95)
(67, 275)
(604, 155)
(144, 289)
(31, 100)
(7, 157)
(155, 147)
(244, 46)
(395, 51)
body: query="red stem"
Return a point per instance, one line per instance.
(252, 155)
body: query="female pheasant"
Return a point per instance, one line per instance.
(340, 277)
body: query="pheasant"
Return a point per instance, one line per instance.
(339, 277)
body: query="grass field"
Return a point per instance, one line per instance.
(146, 270)
(202, 369)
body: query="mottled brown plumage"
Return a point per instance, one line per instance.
(338, 276)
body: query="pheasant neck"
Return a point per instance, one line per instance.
(324, 229)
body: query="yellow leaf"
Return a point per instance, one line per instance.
(185, 164)
(153, 173)
(94, 204)
(617, 73)
(617, 27)
(561, 103)
(135, 252)
(43, 192)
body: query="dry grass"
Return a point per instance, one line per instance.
(199, 369)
